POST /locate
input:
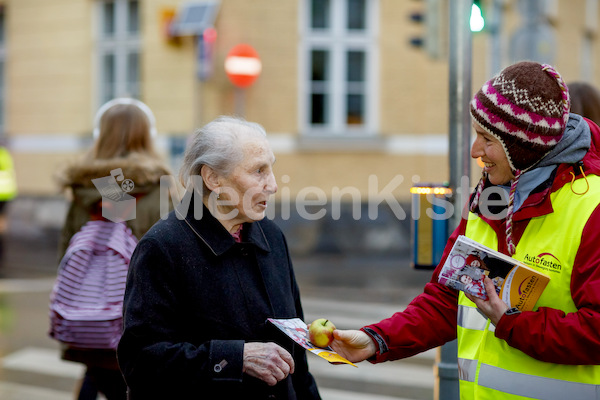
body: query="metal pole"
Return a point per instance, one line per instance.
(459, 98)
(240, 102)
(495, 30)
(459, 155)
(197, 99)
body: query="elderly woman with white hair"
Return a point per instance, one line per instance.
(203, 282)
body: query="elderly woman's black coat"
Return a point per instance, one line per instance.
(193, 297)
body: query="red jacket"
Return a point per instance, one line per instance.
(547, 334)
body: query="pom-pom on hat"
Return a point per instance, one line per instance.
(526, 107)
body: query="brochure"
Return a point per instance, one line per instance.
(296, 329)
(469, 262)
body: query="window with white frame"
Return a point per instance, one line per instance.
(338, 72)
(118, 49)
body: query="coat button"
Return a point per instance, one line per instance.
(219, 367)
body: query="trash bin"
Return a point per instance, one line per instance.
(429, 230)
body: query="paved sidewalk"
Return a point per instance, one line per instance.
(30, 367)
(351, 291)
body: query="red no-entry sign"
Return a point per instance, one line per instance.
(242, 65)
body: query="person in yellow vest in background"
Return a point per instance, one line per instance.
(8, 181)
(538, 200)
(8, 190)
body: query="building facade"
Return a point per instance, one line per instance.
(355, 109)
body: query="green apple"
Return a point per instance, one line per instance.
(320, 332)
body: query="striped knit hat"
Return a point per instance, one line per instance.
(526, 107)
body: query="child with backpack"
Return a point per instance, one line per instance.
(124, 154)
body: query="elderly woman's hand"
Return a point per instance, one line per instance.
(494, 308)
(268, 362)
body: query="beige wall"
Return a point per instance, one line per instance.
(168, 85)
(329, 170)
(271, 27)
(413, 88)
(48, 70)
(51, 90)
(48, 75)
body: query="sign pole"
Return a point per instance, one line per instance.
(240, 101)
(198, 92)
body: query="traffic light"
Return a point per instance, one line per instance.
(417, 17)
(432, 17)
(477, 20)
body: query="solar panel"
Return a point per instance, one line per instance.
(195, 17)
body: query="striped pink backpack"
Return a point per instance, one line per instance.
(86, 303)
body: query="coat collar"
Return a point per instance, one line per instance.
(143, 169)
(213, 233)
(536, 204)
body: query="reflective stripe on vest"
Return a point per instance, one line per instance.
(467, 369)
(524, 385)
(472, 318)
(535, 386)
(488, 367)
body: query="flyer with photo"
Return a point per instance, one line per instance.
(297, 330)
(469, 262)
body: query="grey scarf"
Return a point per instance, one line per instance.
(573, 146)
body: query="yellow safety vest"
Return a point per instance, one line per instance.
(8, 181)
(488, 367)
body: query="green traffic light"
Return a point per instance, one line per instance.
(477, 21)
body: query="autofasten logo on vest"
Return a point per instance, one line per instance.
(544, 261)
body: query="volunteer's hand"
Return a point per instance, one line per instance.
(353, 345)
(494, 308)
